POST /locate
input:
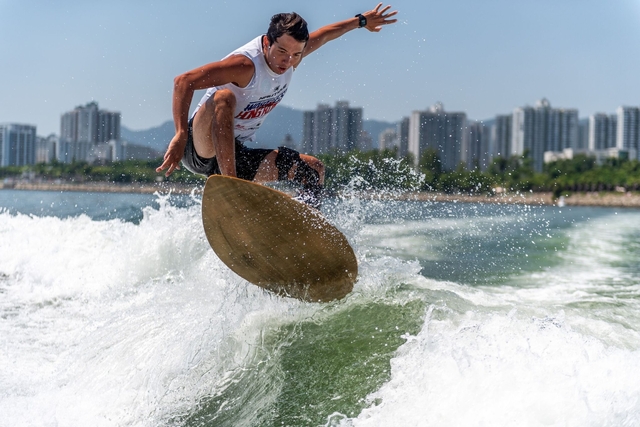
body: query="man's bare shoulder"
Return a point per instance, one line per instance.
(239, 67)
(237, 62)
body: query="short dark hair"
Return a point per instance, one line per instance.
(288, 23)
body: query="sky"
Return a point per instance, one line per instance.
(483, 57)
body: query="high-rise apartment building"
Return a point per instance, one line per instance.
(501, 132)
(323, 128)
(568, 128)
(17, 144)
(602, 131)
(340, 128)
(328, 129)
(478, 152)
(317, 130)
(403, 137)
(542, 128)
(628, 130)
(356, 138)
(444, 132)
(46, 148)
(83, 128)
(583, 134)
(524, 138)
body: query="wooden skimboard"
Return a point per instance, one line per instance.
(276, 242)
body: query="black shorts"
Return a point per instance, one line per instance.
(247, 159)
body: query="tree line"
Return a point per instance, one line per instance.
(383, 170)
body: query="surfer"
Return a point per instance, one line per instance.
(243, 88)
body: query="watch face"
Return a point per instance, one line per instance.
(363, 21)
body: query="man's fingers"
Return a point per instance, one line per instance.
(165, 164)
(171, 165)
(390, 14)
(384, 9)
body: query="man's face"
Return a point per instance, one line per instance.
(284, 53)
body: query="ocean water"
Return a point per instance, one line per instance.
(114, 311)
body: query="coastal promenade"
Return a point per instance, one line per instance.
(611, 199)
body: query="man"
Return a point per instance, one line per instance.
(243, 88)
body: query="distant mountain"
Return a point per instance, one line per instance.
(282, 121)
(156, 138)
(375, 128)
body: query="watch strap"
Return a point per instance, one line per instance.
(362, 20)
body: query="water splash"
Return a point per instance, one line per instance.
(115, 322)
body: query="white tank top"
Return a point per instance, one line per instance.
(253, 102)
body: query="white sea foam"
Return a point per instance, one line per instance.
(557, 348)
(109, 323)
(496, 368)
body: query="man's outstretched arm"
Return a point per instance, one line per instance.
(376, 19)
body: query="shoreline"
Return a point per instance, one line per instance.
(597, 199)
(104, 187)
(594, 199)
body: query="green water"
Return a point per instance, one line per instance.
(306, 371)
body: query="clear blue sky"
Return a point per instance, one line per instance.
(484, 57)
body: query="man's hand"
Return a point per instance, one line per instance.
(174, 154)
(376, 18)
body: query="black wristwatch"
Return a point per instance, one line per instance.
(362, 21)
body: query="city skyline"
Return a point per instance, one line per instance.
(90, 133)
(485, 59)
(599, 113)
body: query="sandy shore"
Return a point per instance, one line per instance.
(612, 199)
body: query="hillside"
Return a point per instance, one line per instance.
(156, 138)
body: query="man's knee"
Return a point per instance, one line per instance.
(314, 162)
(223, 99)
